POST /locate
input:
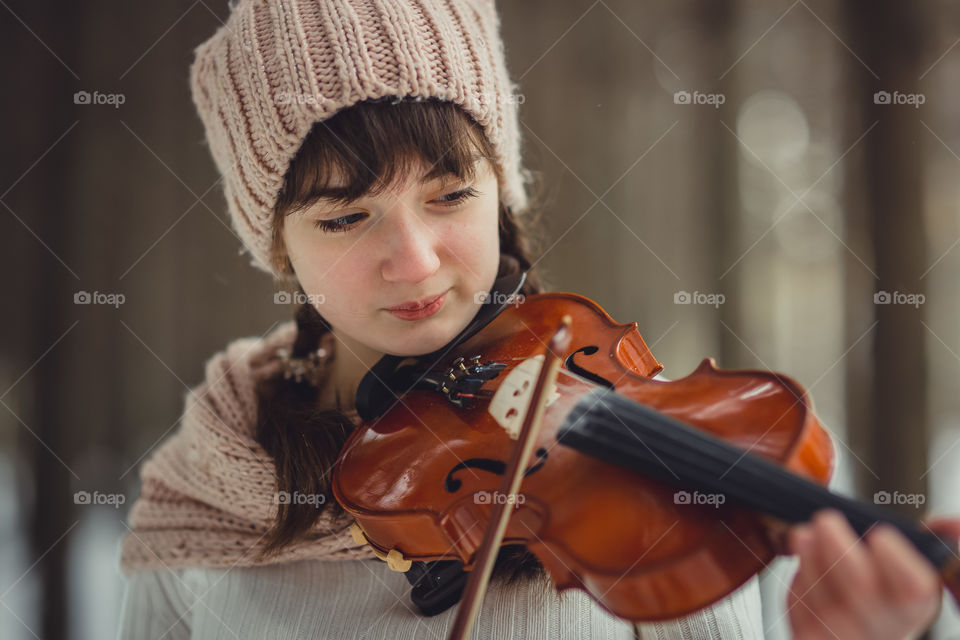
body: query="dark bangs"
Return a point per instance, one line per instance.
(370, 145)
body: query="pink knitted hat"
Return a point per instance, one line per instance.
(278, 66)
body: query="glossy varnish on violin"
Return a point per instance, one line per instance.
(420, 479)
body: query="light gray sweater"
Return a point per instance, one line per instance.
(363, 599)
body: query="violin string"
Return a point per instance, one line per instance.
(700, 464)
(671, 451)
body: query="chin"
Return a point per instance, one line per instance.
(417, 346)
(427, 338)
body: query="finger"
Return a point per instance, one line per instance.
(815, 617)
(848, 571)
(905, 575)
(803, 542)
(814, 608)
(831, 625)
(948, 528)
(799, 538)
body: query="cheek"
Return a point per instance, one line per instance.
(475, 242)
(340, 278)
(325, 270)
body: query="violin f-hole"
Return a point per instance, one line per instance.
(589, 350)
(499, 467)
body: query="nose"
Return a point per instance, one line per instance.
(411, 248)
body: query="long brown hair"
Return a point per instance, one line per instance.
(368, 146)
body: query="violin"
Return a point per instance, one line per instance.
(656, 498)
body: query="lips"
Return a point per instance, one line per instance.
(419, 309)
(415, 305)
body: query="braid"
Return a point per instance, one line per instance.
(303, 440)
(310, 328)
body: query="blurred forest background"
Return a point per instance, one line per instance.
(773, 184)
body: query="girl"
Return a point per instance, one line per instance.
(370, 155)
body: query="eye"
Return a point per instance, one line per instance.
(457, 197)
(343, 223)
(338, 224)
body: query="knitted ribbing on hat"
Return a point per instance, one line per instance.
(278, 66)
(209, 493)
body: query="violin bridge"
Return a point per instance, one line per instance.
(509, 404)
(394, 559)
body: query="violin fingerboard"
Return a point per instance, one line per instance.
(618, 430)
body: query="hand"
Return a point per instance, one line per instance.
(846, 588)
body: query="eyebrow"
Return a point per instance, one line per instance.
(344, 195)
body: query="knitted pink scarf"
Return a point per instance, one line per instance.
(208, 492)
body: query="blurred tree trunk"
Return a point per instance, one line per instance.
(720, 208)
(887, 409)
(42, 113)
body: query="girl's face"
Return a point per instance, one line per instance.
(363, 264)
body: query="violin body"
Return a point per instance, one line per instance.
(422, 478)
